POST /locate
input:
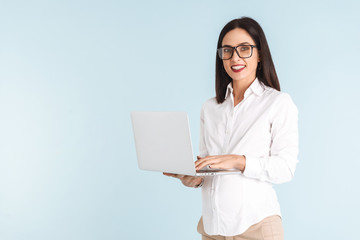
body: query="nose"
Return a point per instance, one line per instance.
(235, 56)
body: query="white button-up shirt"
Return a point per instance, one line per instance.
(264, 128)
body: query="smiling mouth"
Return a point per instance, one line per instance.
(237, 68)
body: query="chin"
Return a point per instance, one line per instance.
(244, 78)
(237, 78)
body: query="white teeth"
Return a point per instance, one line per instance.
(237, 67)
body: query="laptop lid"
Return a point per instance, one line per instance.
(163, 142)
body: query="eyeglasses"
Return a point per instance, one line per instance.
(243, 51)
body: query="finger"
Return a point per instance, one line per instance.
(203, 160)
(218, 165)
(170, 174)
(216, 158)
(207, 158)
(179, 176)
(211, 160)
(208, 162)
(174, 175)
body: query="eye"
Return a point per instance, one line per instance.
(227, 50)
(244, 48)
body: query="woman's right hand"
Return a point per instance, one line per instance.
(189, 181)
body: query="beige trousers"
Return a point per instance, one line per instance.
(269, 228)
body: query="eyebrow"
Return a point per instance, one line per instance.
(243, 43)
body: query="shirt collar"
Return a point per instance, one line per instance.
(256, 87)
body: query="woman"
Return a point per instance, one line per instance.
(249, 125)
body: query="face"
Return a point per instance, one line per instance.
(237, 68)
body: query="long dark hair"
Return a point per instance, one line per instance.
(265, 71)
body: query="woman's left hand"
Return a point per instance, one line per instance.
(229, 161)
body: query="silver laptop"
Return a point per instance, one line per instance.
(163, 143)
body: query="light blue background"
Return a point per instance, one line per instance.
(71, 72)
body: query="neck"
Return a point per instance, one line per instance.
(239, 88)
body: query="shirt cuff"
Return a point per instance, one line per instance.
(252, 167)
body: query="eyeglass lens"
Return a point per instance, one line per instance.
(227, 52)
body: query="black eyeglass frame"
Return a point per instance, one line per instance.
(219, 50)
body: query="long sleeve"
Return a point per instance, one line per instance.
(280, 165)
